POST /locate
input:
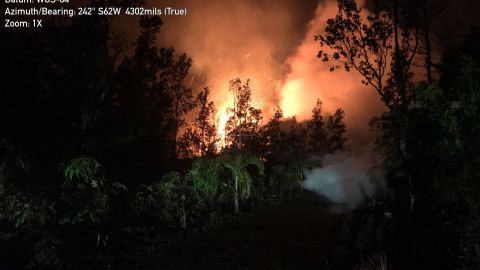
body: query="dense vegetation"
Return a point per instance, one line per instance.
(102, 162)
(428, 136)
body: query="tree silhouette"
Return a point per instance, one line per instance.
(149, 103)
(273, 137)
(317, 140)
(357, 45)
(201, 138)
(243, 126)
(181, 97)
(336, 129)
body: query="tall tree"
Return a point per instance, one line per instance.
(359, 45)
(382, 50)
(200, 139)
(181, 96)
(273, 137)
(336, 129)
(243, 126)
(317, 140)
(137, 118)
(149, 103)
(369, 46)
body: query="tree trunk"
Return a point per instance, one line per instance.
(428, 46)
(400, 59)
(183, 218)
(235, 195)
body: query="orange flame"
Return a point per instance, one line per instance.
(291, 98)
(222, 121)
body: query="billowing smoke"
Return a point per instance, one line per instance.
(347, 179)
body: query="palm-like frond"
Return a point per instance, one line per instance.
(237, 163)
(83, 172)
(375, 262)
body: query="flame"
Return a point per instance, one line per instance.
(224, 101)
(291, 98)
(273, 46)
(222, 121)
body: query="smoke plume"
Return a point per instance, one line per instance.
(346, 178)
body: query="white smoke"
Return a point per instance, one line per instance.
(346, 178)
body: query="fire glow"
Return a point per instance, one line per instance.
(291, 93)
(222, 119)
(274, 47)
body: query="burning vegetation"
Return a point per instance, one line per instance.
(125, 151)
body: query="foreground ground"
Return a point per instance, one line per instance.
(300, 233)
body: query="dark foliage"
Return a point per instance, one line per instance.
(425, 136)
(106, 155)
